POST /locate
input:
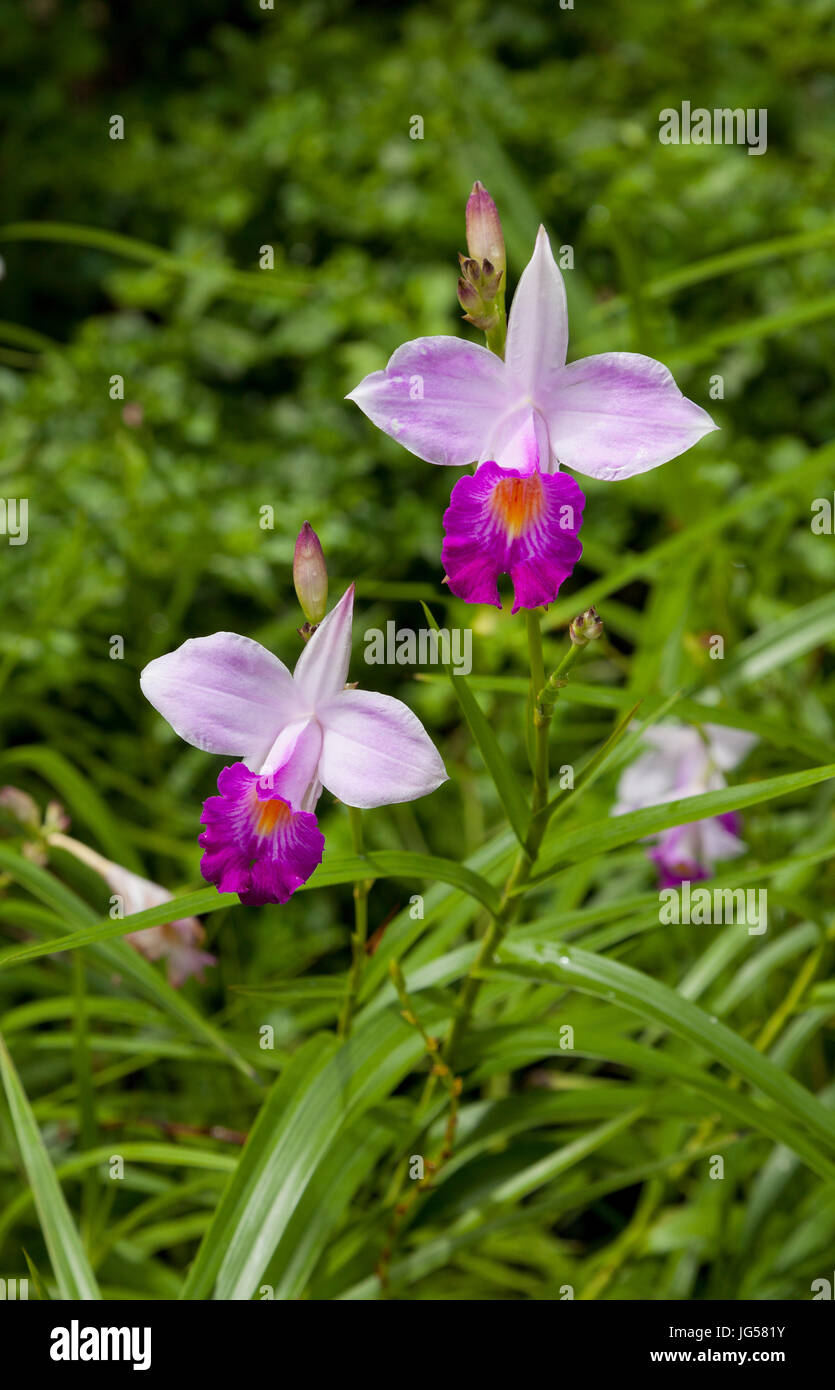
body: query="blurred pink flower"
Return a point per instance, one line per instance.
(178, 942)
(681, 761)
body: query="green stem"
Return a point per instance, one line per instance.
(546, 697)
(496, 337)
(84, 1081)
(510, 901)
(360, 932)
(540, 725)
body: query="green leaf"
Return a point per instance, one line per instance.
(116, 956)
(691, 710)
(345, 868)
(69, 1262)
(323, 1091)
(618, 983)
(304, 989)
(238, 284)
(81, 798)
(522, 1046)
(268, 1179)
(505, 780)
(105, 929)
(800, 631)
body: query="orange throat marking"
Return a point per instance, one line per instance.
(271, 814)
(518, 503)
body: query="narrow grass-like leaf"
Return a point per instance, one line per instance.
(619, 983)
(344, 868)
(70, 1265)
(118, 956)
(81, 797)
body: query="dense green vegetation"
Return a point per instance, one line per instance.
(139, 258)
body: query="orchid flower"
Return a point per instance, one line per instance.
(681, 761)
(520, 419)
(295, 735)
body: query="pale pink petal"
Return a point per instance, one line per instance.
(224, 694)
(537, 331)
(438, 397)
(322, 668)
(619, 414)
(375, 751)
(729, 746)
(718, 842)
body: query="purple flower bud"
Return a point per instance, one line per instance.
(310, 575)
(468, 297)
(484, 229)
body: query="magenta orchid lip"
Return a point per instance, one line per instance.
(501, 521)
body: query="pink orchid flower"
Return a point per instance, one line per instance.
(520, 419)
(680, 761)
(296, 734)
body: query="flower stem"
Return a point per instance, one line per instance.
(540, 725)
(360, 932)
(510, 901)
(497, 336)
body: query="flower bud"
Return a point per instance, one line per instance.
(310, 575)
(468, 296)
(21, 806)
(586, 628)
(484, 229)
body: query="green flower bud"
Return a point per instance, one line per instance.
(586, 628)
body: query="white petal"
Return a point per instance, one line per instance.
(224, 694)
(322, 668)
(619, 414)
(375, 751)
(537, 331)
(437, 397)
(294, 757)
(519, 440)
(729, 746)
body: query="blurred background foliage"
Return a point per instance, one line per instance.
(246, 128)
